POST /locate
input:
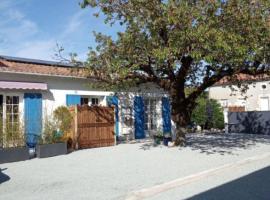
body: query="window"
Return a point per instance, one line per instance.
(84, 101)
(150, 114)
(9, 121)
(94, 101)
(12, 114)
(126, 114)
(264, 103)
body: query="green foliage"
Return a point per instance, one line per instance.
(12, 134)
(179, 44)
(63, 118)
(199, 115)
(55, 127)
(208, 113)
(49, 129)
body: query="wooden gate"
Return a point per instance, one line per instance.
(94, 126)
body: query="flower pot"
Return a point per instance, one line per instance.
(14, 154)
(49, 150)
(157, 139)
(166, 140)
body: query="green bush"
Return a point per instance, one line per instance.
(55, 127)
(63, 118)
(208, 113)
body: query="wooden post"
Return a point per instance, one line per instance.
(76, 127)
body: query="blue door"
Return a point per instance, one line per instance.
(33, 117)
(113, 100)
(139, 117)
(72, 100)
(166, 115)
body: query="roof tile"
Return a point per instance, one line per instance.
(41, 69)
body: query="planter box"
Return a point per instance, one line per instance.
(14, 154)
(158, 139)
(49, 150)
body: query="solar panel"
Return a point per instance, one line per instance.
(36, 61)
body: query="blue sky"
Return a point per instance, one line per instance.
(32, 28)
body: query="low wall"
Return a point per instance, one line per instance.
(254, 122)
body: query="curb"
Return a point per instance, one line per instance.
(152, 191)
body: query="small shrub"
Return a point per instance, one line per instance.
(208, 113)
(63, 118)
(12, 134)
(56, 127)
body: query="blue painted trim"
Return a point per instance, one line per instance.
(139, 117)
(166, 115)
(32, 117)
(113, 100)
(73, 99)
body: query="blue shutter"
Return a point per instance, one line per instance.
(139, 117)
(33, 117)
(72, 100)
(166, 115)
(113, 100)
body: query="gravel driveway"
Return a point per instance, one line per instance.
(114, 172)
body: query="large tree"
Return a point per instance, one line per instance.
(180, 43)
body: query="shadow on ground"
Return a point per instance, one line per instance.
(3, 177)
(149, 144)
(217, 143)
(254, 186)
(224, 143)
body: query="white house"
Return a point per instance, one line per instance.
(255, 98)
(31, 89)
(231, 98)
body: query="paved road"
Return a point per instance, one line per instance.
(115, 172)
(248, 180)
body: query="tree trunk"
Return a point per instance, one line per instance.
(181, 114)
(181, 119)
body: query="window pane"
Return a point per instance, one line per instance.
(94, 101)
(1, 100)
(15, 118)
(15, 100)
(16, 109)
(146, 126)
(9, 118)
(8, 100)
(9, 108)
(84, 101)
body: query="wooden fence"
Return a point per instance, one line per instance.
(93, 126)
(236, 109)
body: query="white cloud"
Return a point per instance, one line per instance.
(15, 27)
(37, 49)
(20, 36)
(74, 24)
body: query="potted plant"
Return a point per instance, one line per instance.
(53, 141)
(12, 138)
(158, 137)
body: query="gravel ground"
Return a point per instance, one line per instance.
(114, 172)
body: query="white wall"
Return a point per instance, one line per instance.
(59, 87)
(235, 98)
